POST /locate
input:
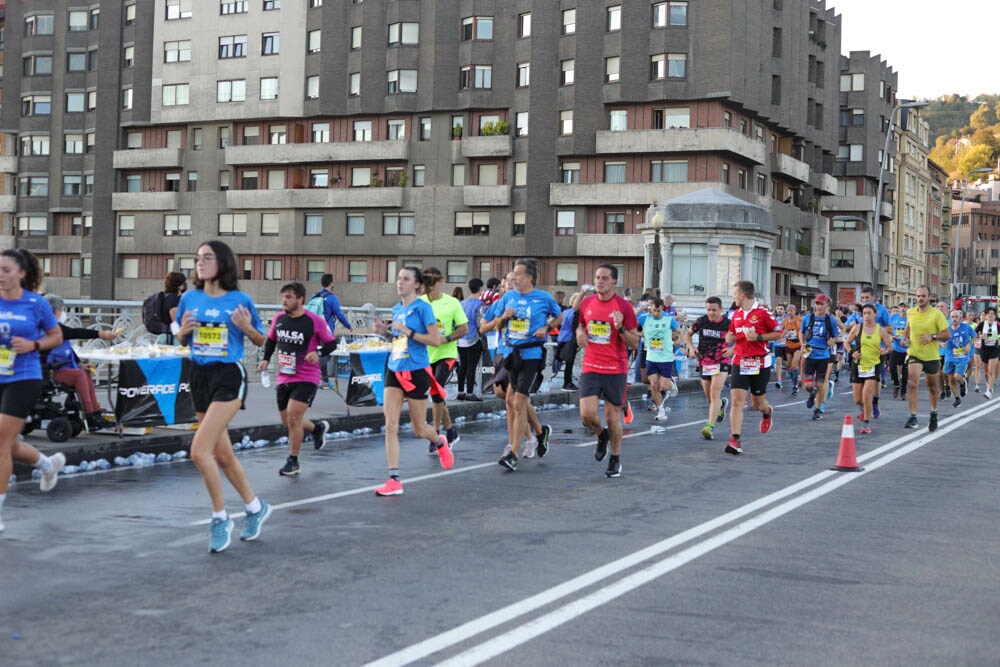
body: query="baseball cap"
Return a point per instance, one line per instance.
(821, 298)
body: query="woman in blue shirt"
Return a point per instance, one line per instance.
(27, 327)
(408, 373)
(214, 318)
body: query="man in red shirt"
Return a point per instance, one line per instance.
(607, 324)
(751, 327)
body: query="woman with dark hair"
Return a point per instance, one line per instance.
(214, 319)
(173, 286)
(408, 373)
(27, 327)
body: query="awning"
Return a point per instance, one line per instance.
(804, 290)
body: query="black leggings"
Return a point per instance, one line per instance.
(468, 362)
(897, 362)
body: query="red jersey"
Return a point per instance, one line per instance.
(756, 319)
(605, 352)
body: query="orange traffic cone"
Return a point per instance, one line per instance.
(847, 461)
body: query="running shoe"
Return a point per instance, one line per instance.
(911, 422)
(219, 534)
(962, 389)
(958, 402)
(602, 445)
(876, 413)
(627, 413)
(661, 415)
(777, 385)
(290, 469)
(529, 449)
(708, 432)
(453, 437)
(614, 467)
(508, 461)
(393, 487)
(444, 453)
(51, 478)
(462, 397)
(765, 422)
(474, 398)
(866, 430)
(734, 446)
(829, 391)
(988, 394)
(569, 386)
(811, 401)
(895, 392)
(252, 522)
(817, 415)
(795, 390)
(943, 395)
(932, 422)
(722, 411)
(861, 416)
(543, 440)
(320, 429)
(674, 390)
(977, 388)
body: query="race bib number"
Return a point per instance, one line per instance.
(866, 371)
(518, 329)
(806, 351)
(750, 365)
(286, 363)
(709, 369)
(960, 352)
(791, 334)
(898, 334)
(211, 339)
(656, 345)
(400, 348)
(7, 357)
(990, 342)
(599, 332)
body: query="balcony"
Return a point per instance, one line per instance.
(825, 183)
(887, 210)
(682, 140)
(789, 167)
(850, 204)
(491, 146)
(638, 194)
(8, 203)
(147, 158)
(144, 201)
(8, 164)
(61, 245)
(486, 195)
(341, 151)
(315, 198)
(609, 245)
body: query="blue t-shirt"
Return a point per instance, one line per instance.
(897, 323)
(816, 334)
(215, 339)
(881, 314)
(531, 311)
(28, 317)
(408, 354)
(471, 308)
(959, 346)
(493, 338)
(566, 332)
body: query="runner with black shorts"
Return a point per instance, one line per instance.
(452, 324)
(925, 327)
(714, 357)
(988, 332)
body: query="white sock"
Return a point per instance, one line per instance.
(43, 463)
(220, 515)
(3, 497)
(254, 506)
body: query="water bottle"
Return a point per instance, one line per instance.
(265, 379)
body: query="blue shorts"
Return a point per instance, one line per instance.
(956, 366)
(665, 369)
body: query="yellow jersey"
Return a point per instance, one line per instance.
(931, 322)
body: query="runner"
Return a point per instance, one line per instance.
(958, 351)
(989, 334)
(607, 325)
(925, 326)
(470, 346)
(897, 356)
(713, 359)
(820, 332)
(778, 347)
(301, 337)
(865, 343)
(657, 333)
(452, 324)
(408, 374)
(882, 319)
(751, 328)
(27, 327)
(214, 319)
(791, 327)
(526, 315)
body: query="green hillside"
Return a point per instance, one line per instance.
(965, 134)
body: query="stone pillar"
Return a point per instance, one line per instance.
(746, 264)
(647, 261)
(666, 263)
(712, 279)
(767, 274)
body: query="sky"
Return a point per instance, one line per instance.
(936, 47)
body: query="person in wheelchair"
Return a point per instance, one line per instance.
(67, 370)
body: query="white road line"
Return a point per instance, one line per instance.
(531, 629)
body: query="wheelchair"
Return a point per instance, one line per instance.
(58, 404)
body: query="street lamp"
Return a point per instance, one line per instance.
(961, 210)
(657, 224)
(878, 194)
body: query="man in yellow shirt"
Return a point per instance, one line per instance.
(925, 327)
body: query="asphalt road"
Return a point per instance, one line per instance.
(692, 557)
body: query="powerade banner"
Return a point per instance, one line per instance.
(154, 392)
(367, 379)
(487, 368)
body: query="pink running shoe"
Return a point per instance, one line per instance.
(444, 453)
(391, 488)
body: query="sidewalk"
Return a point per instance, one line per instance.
(260, 421)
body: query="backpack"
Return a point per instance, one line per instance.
(151, 308)
(827, 321)
(316, 304)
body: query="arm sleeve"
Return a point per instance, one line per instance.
(77, 333)
(269, 346)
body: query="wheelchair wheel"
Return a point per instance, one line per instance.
(59, 429)
(77, 424)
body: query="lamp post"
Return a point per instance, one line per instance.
(961, 210)
(878, 193)
(657, 224)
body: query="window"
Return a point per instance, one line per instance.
(614, 172)
(518, 223)
(678, 13)
(356, 37)
(362, 130)
(270, 5)
(857, 116)
(361, 177)
(179, 9)
(173, 183)
(520, 174)
(313, 41)
(523, 74)
(232, 46)
(270, 43)
(234, 7)
(419, 175)
(398, 224)
(175, 52)
(39, 24)
(74, 102)
(176, 94)
(192, 185)
(489, 174)
(741, 179)
(72, 144)
(92, 60)
(614, 21)
(269, 88)
(128, 57)
(354, 83)
(130, 14)
(486, 120)
(269, 224)
(276, 179)
(34, 225)
(668, 171)
(133, 183)
(33, 186)
(565, 223)
(223, 181)
(521, 124)
(761, 184)
(725, 173)
(314, 224)
(357, 271)
(404, 33)
(425, 128)
(319, 178)
(569, 21)
(567, 273)
(88, 184)
(566, 122)
(320, 133)
(852, 82)
(126, 225)
(278, 134)
(72, 185)
(127, 99)
(130, 267)
(396, 130)
(457, 271)
(612, 69)
(232, 224)
(689, 268)
(401, 81)
(676, 65)
(614, 223)
(457, 174)
(842, 259)
(477, 27)
(524, 25)
(37, 65)
(315, 268)
(355, 224)
(95, 19)
(570, 172)
(472, 223)
(36, 145)
(251, 135)
(231, 91)
(676, 117)
(76, 62)
(478, 76)
(312, 87)
(619, 120)
(272, 269)
(567, 74)
(91, 100)
(249, 180)
(857, 152)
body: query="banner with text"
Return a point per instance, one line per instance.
(154, 392)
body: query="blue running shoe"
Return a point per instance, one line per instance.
(822, 408)
(253, 522)
(722, 410)
(219, 533)
(817, 415)
(875, 411)
(811, 401)
(829, 392)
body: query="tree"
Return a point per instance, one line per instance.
(981, 117)
(943, 154)
(987, 137)
(976, 157)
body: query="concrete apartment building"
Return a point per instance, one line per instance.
(978, 243)
(356, 137)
